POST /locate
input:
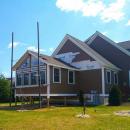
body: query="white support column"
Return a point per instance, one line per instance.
(48, 84)
(103, 81)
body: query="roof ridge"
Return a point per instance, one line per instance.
(97, 33)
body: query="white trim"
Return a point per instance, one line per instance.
(59, 74)
(115, 73)
(46, 94)
(129, 77)
(30, 86)
(107, 39)
(101, 95)
(73, 77)
(103, 80)
(60, 45)
(108, 71)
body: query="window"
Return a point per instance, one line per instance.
(115, 78)
(108, 77)
(19, 79)
(34, 62)
(26, 79)
(56, 75)
(71, 77)
(26, 63)
(33, 78)
(43, 77)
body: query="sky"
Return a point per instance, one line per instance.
(79, 18)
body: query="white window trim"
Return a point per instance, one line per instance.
(107, 77)
(114, 78)
(59, 74)
(73, 76)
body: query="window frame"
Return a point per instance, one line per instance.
(73, 76)
(31, 78)
(59, 75)
(21, 78)
(45, 77)
(108, 71)
(28, 79)
(116, 73)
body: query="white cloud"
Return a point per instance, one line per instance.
(114, 11)
(33, 48)
(92, 8)
(128, 23)
(107, 12)
(15, 44)
(105, 33)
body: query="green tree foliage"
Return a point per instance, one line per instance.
(4, 88)
(115, 96)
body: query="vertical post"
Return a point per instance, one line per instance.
(103, 86)
(103, 82)
(48, 85)
(38, 65)
(11, 86)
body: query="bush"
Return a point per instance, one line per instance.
(4, 88)
(115, 96)
(81, 97)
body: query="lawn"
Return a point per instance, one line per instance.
(63, 118)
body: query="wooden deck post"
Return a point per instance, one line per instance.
(65, 101)
(48, 85)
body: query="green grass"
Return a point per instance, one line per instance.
(63, 118)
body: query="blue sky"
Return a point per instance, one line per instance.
(80, 18)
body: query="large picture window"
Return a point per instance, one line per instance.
(34, 78)
(108, 77)
(43, 77)
(26, 79)
(26, 63)
(56, 75)
(19, 79)
(71, 77)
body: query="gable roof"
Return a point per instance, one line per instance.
(46, 59)
(87, 50)
(96, 34)
(125, 45)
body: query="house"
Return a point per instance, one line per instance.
(92, 66)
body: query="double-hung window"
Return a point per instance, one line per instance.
(26, 79)
(56, 75)
(108, 77)
(34, 78)
(43, 77)
(19, 79)
(71, 77)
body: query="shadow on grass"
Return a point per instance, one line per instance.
(35, 106)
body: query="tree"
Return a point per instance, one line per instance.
(115, 96)
(4, 88)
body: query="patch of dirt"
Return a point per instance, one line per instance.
(82, 116)
(123, 113)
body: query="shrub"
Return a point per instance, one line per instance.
(4, 88)
(115, 96)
